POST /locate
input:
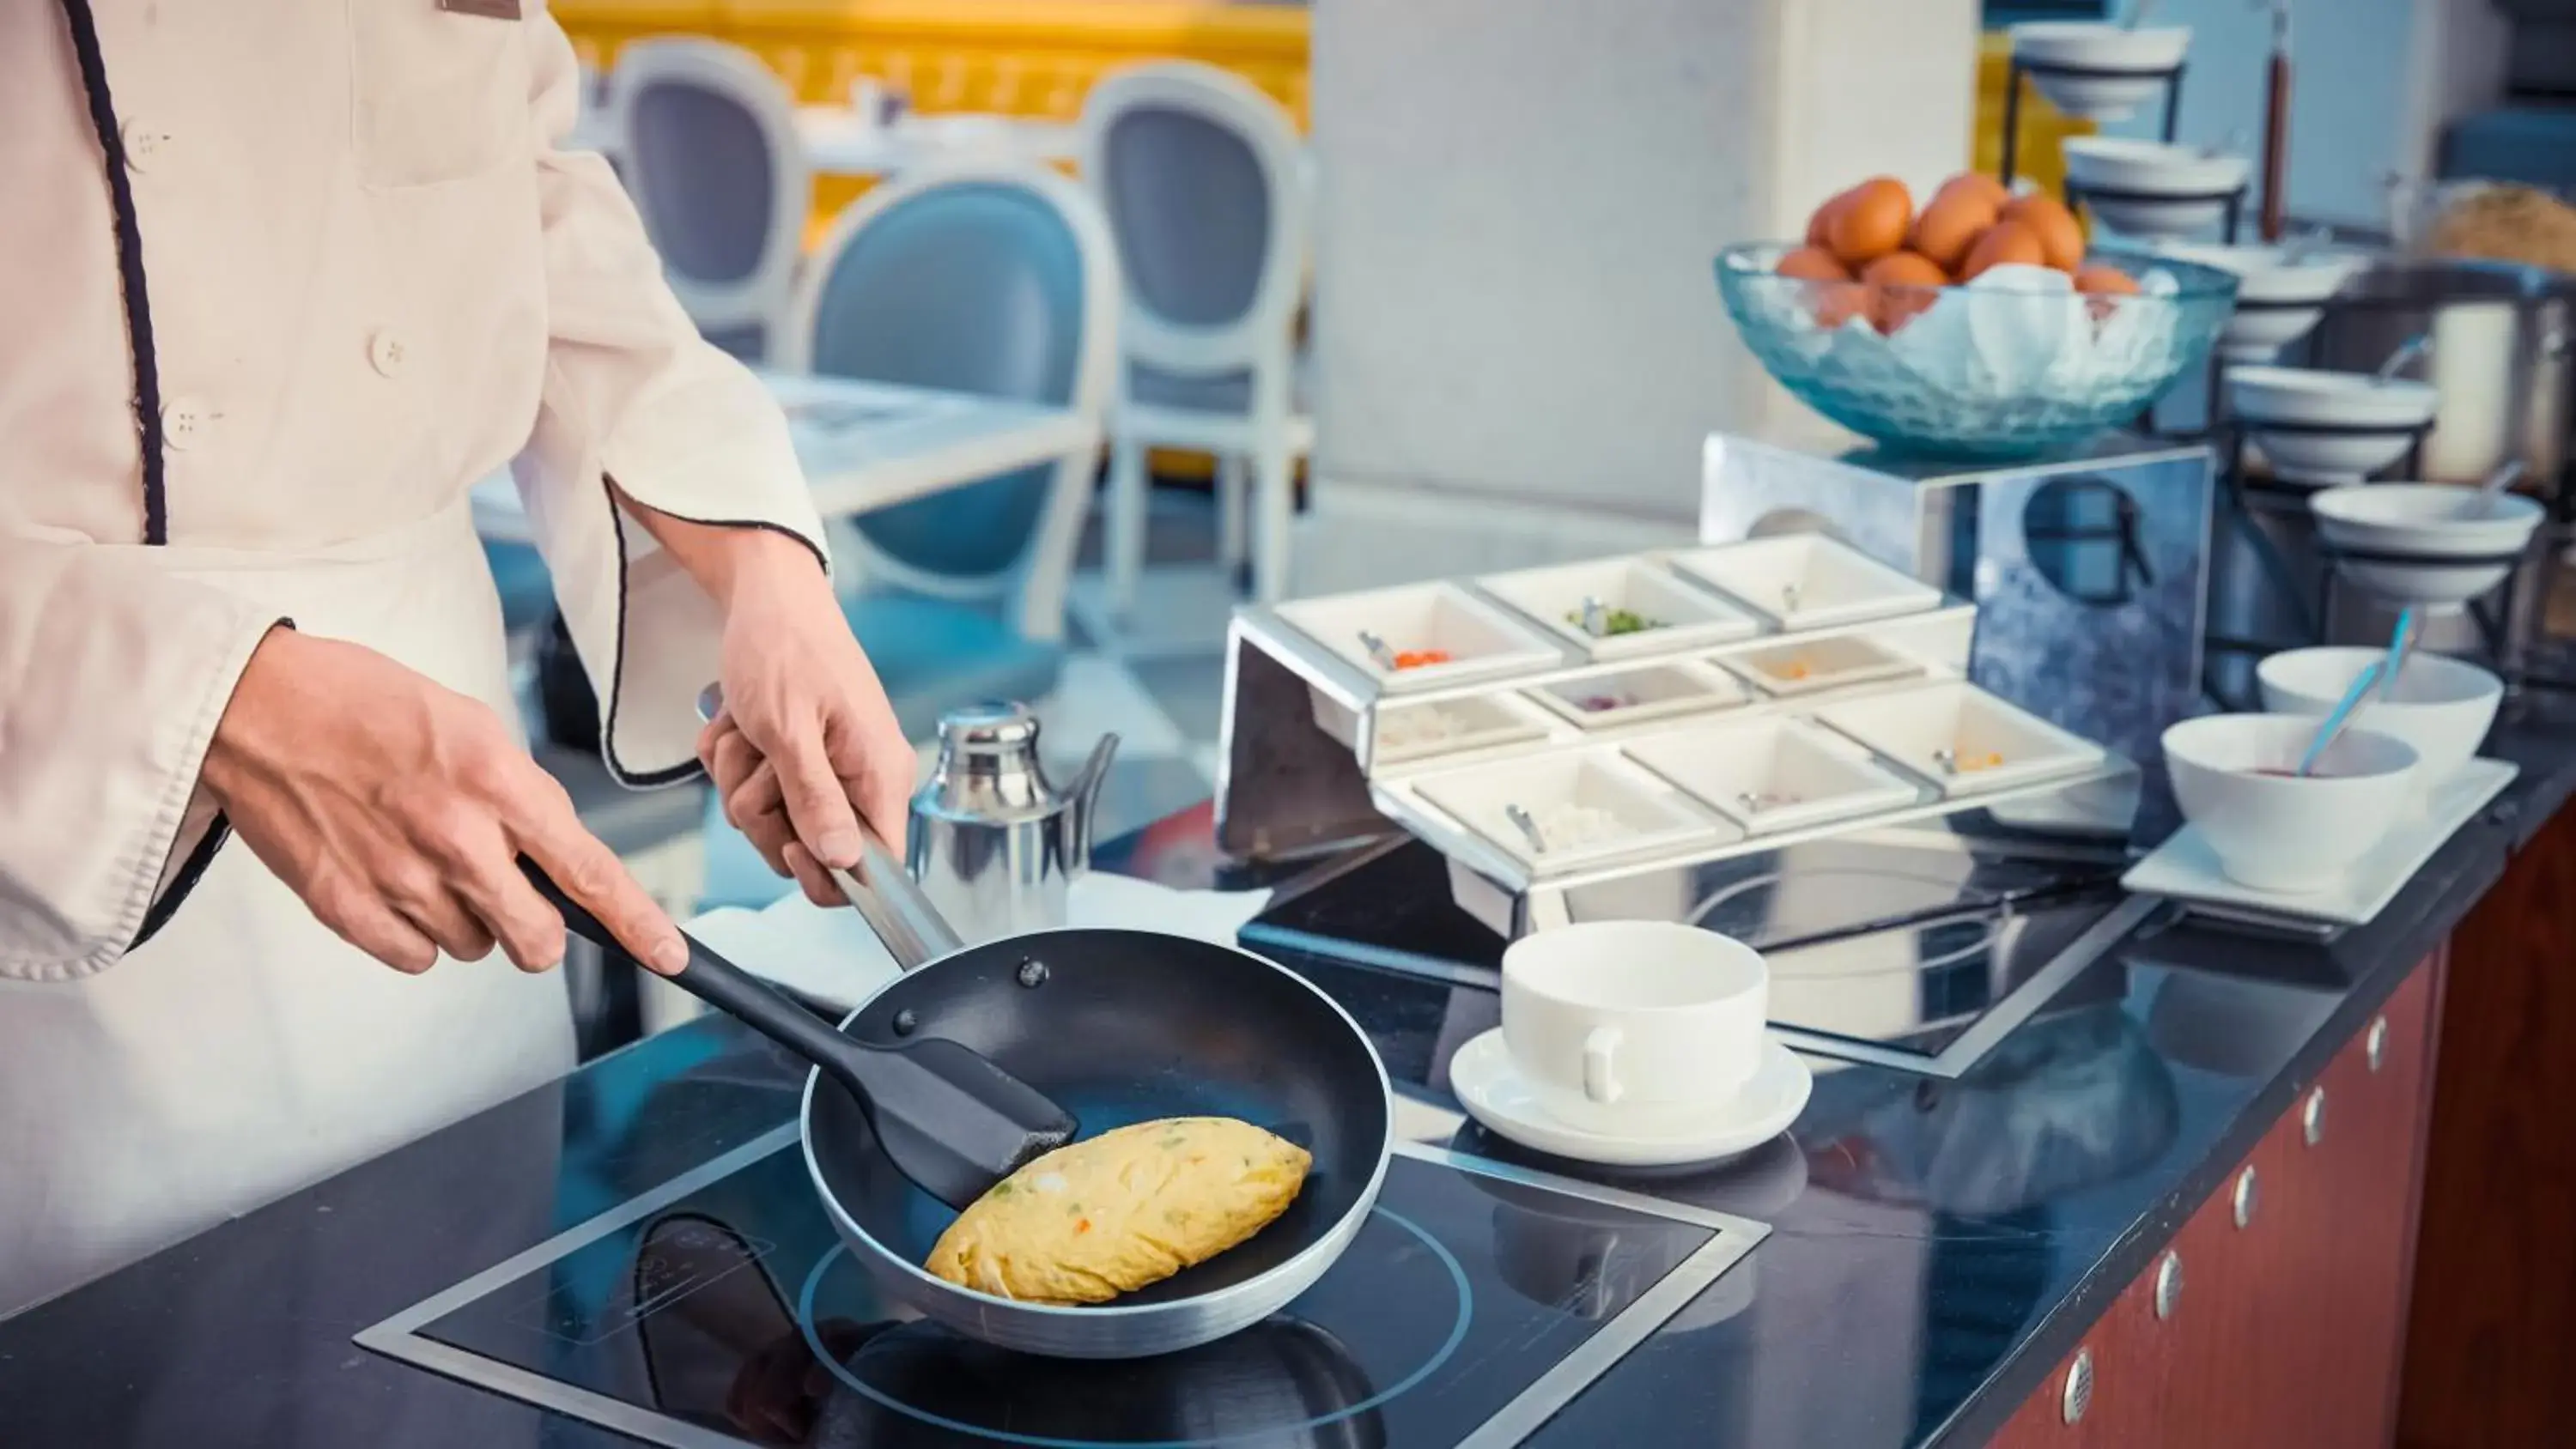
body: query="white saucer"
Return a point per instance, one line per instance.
(2185, 869)
(1493, 1093)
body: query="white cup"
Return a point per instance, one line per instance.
(1633, 1027)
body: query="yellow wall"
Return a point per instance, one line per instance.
(2042, 128)
(1017, 57)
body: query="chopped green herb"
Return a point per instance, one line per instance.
(1001, 1189)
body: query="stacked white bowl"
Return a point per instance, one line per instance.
(2281, 291)
(2153, 189)
(2276, 831)
(2128, 67)
(2434, 545)
(2380, 417)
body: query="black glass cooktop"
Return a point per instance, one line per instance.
(721, 1310)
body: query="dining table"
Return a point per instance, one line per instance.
(869, 445)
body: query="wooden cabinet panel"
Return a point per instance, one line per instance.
(2491, 1345)
(2289, 1329)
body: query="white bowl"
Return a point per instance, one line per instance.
(1483, 640)
(2280, 832)
(2314, 397)
(1644, 691)
(1961, 738)
(1683, 616)
(2441, 706)
(1774, 774)
(2277, 300)
(1450, 726)
(1807, 581)
(2146, 56)
(2434, 544)
(2165, 190)
(1640, 813)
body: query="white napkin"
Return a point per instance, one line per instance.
(830, 956)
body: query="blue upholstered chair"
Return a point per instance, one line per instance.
(990, 279)
(707, 145)
(1205, 185)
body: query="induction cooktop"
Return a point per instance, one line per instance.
(721, 1311)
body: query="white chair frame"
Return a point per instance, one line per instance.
(1041, 575)
(1272, 435)
(757, 299)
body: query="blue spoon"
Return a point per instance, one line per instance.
(2398, 644)
(2340, 716)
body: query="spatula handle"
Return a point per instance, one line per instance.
(716, 981)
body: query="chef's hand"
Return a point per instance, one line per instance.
(806, 745)
(396, 809)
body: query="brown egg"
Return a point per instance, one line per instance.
(1820, 226)
(2061, 241)
(1902, 288)
(1813, 264)
(1949, 226)
(1979, 185)
(1873, 224)
(2006, 243)
(2105, 281)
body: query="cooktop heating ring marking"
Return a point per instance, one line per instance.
(1466, 1299)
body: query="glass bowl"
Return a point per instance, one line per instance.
(2014, 365)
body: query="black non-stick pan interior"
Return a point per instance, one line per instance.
(1121, 1027)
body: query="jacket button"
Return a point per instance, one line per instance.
(144, 144)
(185, 421)
(387, 352)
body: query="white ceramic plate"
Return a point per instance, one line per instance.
(2185, 869)
(1490, 1088)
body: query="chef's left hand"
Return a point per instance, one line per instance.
(806, 733)
(806, 745)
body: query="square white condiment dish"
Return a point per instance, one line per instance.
(1483, 640)
(1646, 692)
(1774, 774)
(1961, 738)
(1812, 666)
(1807, 581)
(1683, 615)
(1649, 815)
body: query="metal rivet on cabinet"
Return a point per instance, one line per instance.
(2375, 1045)
(2312, 1117)
(2244, 1197)
(2079, 1386)
(2168, 1284)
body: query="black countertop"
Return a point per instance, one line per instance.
(1938, 1246)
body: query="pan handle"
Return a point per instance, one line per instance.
(884, 893)
(891, 902)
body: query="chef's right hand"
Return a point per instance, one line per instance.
(397, 810)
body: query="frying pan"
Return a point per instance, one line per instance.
(1116, 1027)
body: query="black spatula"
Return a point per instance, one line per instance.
(959, 1123)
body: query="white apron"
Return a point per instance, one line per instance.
(245, 1051)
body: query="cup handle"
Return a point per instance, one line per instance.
(1600, 1053)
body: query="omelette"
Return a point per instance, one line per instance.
(1109, 1215)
